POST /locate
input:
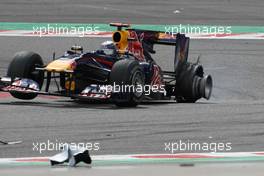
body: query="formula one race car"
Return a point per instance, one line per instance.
(121, 71)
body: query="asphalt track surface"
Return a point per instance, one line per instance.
(234, 114)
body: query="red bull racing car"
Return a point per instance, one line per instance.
(121, 71)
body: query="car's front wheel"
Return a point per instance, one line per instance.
(23, 66)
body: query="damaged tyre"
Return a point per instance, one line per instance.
(192, 84)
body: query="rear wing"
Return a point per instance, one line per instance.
(159, 37)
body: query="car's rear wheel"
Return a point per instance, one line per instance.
(23, 66)
(192, 84)
(128, 80)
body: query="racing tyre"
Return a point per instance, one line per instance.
(128, 80)
(192, 84)
(23, 66)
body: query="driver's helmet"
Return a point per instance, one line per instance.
(108, 48)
